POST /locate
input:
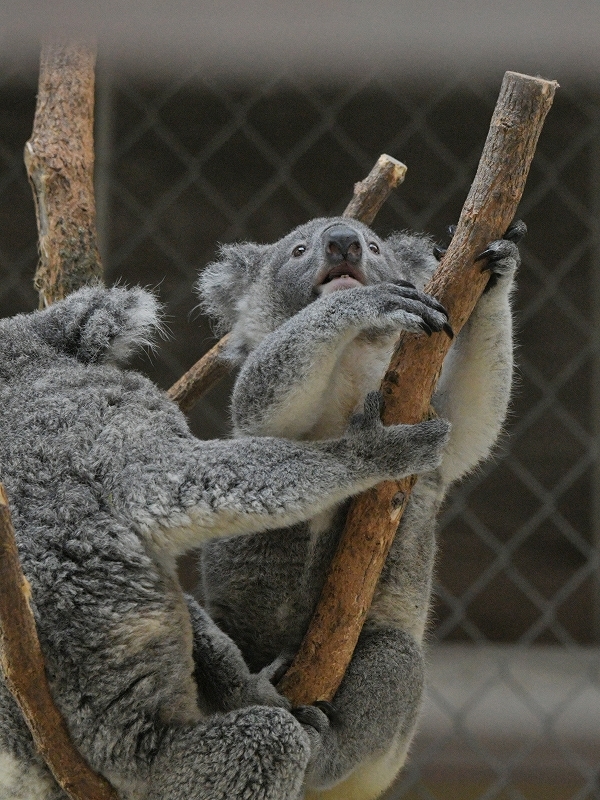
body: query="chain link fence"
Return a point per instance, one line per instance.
(513, 706)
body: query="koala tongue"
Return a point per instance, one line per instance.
(334, 285)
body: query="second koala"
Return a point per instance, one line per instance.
(313, 321)
(107, 487)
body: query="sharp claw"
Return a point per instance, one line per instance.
(426, 328)
(448, 330)
(486, 254)
(439, 307)
(451, 230)
(327, 708)
(439, 252)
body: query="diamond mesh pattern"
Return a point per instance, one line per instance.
(190, 161)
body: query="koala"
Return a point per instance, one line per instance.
(107, 487)
(313, 320)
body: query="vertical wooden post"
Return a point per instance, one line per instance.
(59, 158)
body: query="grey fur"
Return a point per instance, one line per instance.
(307, 362)
(107, 487)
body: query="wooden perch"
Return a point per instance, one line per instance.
(409, 385)
(23, 665)
(369, 195)
(59, 158)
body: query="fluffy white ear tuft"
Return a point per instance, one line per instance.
(224, 284)
(96, 325)
(414, 255)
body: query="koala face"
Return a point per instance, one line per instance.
(252, 289)
(324, 256)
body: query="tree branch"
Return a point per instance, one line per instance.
(59, 158)
(409, 384)
(372, 192)
(205, 373)
(369, 195)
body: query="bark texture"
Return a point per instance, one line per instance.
(23, 666)
(59, 158)
(369, 195)
(410, 382)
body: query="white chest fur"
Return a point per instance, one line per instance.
(359, 370)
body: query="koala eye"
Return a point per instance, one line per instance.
(298, 251)
(374, 248)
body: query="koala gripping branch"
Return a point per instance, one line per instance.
(369, 195)
(23, 666)
(409, 384)
(59, 158)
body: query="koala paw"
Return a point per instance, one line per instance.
(316, 723)
(261, 685)
(502, 255)
(391, 307)
(397, 450)
(422, 446)
(367, 424)
(415, 311)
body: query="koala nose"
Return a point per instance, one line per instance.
(342, 244)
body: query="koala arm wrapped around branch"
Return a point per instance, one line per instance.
(409, 384)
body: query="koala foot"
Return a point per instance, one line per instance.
(397, 450)
(316, 723)
(502, 255)
(314, 716)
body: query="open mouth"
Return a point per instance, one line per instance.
(342, 276)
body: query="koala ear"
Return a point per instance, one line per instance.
(96, 324)
(413, 254)
(224, 284)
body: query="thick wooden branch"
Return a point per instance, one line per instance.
(59, 158)
(369, 195)
(23, 666)
(409, 385)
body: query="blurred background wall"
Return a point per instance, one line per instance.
(215, 126)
